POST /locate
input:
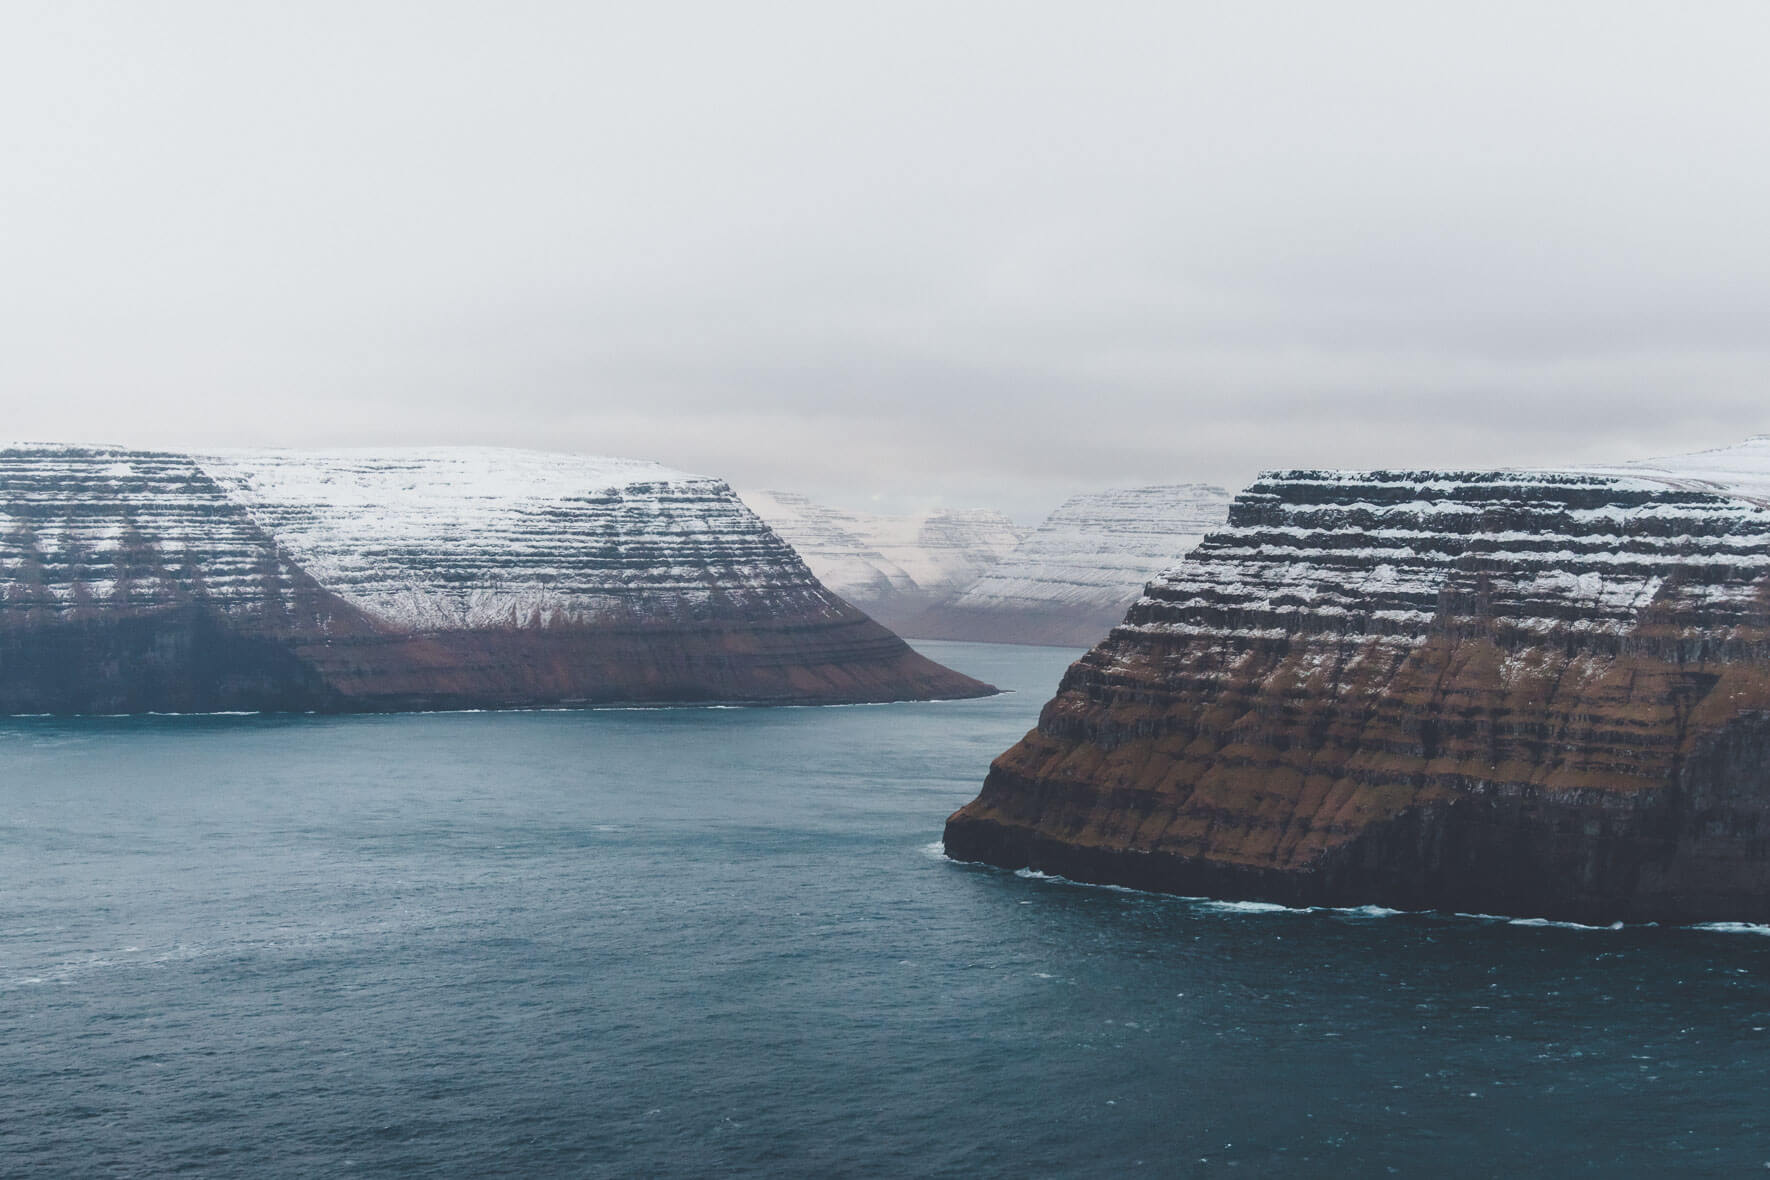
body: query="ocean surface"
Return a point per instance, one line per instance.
(725, 942)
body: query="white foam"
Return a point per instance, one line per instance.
(1560, 925)
(1377, 911)
(1733, 927)
(1251, 907)
(1541, 922)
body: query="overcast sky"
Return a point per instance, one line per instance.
(968, 253)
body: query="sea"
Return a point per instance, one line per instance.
(726, 942)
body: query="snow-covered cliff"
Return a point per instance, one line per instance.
(408, 578)
(443, 538)
(86, 530)
(1073, 577)
(892, 567)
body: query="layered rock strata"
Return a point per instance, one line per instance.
(1075, 575)
(1526, 693)
(135, 581)
(893, 567)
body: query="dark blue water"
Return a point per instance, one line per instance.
(717, 942)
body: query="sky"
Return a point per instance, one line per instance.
(893, 255)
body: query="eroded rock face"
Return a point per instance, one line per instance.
(136, 581)
(1537, 694)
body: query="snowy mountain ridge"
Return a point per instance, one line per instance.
(1073, 577)
(889, 566)
(418, 538)
(1098, 549)
(1742, 470)
(474, 537)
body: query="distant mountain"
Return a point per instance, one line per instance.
(135, 581)
(892, 567)
(1071, 580)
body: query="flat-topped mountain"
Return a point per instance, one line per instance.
(1538, 693)
(1069, 581)
(892, 567)
(137, 581)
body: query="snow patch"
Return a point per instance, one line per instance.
(475, 537)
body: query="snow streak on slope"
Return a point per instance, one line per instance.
(459, 537)
(1377, 552)
(1390, 554)
(1742, 470)
(90, 528)
(872, 559)
(1099, 550)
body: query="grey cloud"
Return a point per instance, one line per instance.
(987, 253)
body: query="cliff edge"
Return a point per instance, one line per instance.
(1532, 693)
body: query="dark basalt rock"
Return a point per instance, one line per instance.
(1532, 694)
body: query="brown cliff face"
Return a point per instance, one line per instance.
(843, 659)
(1481, 692)
(137, 582)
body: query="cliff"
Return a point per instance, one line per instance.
(892, 567)
(135, 581)
(1527, 693)
(1069, 581)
